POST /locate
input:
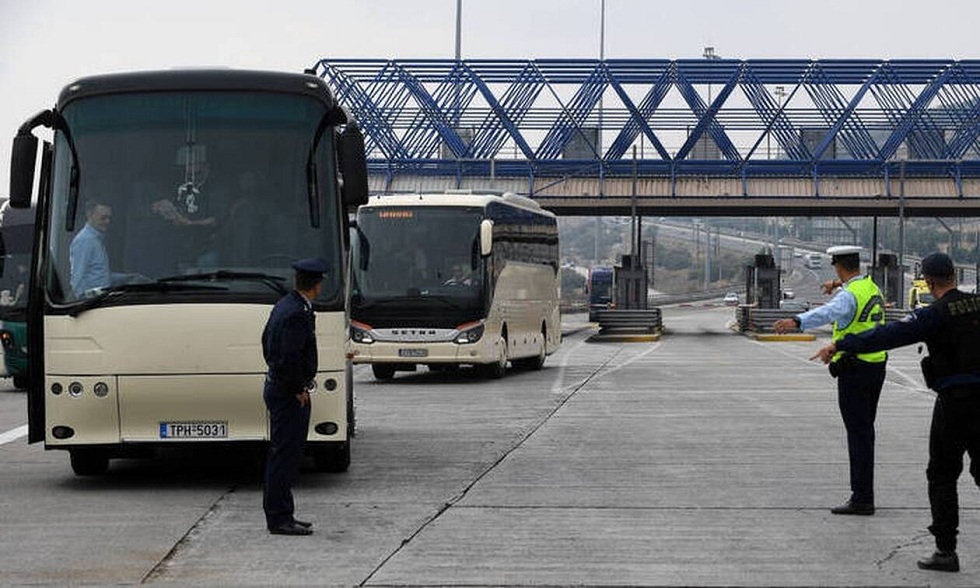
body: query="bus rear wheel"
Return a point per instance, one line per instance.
(383, 371)
(89, 462)
(532, 363)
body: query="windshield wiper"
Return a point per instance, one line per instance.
(104, 294)
(368, 303)
(270, 280)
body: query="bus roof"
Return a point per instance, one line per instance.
(198, 80)
(456, 199)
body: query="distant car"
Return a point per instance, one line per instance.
(794, 305)
(731, 298)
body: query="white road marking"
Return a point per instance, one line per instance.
(13, 434)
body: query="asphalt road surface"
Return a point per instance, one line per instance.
(705, 458)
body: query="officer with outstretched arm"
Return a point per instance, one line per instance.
(856, 306)
(950, 328)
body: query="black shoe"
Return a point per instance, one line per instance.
(304, 524)
(290, 528)
(854, 508)
(940, 562)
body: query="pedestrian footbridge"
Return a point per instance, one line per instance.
(698, 137)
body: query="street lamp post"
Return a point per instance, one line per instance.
(709, 53)
(780, 92)
(602, 55)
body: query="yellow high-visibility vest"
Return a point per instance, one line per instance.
(869, 314)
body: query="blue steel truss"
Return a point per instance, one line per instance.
(727, 118)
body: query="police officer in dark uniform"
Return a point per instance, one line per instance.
(289, 347)
(950, 327)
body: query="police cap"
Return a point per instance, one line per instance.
(839, 251)
(937, 265)
(311, 265)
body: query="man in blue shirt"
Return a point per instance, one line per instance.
(857, 306)
(88, 257)
(950, 328)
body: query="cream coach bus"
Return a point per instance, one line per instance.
(454, 279)
(170, 207)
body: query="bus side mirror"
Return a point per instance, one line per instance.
(353, 165)
(363, 249)
(486, 237)
(22, 161)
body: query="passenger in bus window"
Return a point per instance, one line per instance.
(459, 275)
(156, 240)
(189, 208)
(87, 255)
(21, 289)
(242, 221)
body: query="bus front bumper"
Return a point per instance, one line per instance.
(136, 409)
(409, 352)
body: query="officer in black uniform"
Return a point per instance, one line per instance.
(950, 327)
(289, 347)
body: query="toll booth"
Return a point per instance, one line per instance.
(630, 279)
(888, 276)
(762, 286)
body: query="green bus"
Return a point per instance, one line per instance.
(16, 238)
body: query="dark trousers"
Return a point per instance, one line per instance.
(955, 430)
(289, 423)
(858, 390)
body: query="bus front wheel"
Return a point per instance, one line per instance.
(497, 369)
(333, 458)
(383, 371)
(89, 462)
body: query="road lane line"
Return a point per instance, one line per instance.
(13, 434)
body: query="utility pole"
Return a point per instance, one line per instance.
(707, 256)
(602, 56)
(901, 229)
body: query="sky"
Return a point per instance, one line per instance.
(45, 44)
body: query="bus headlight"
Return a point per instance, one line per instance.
(75, 389)
(101, 389)
(7, 340)
(469, 333)
(361, 333)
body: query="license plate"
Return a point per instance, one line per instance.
(413, 353)
(195, 430)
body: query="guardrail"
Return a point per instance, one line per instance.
(760, 320)
(623, 322)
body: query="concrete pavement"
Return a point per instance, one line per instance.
(705, 458)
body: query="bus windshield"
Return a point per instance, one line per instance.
(15, 246)
(180, 188)
(600, 285)
(424, 252)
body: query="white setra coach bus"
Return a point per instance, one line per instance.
(454, 279)
(170, 207)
